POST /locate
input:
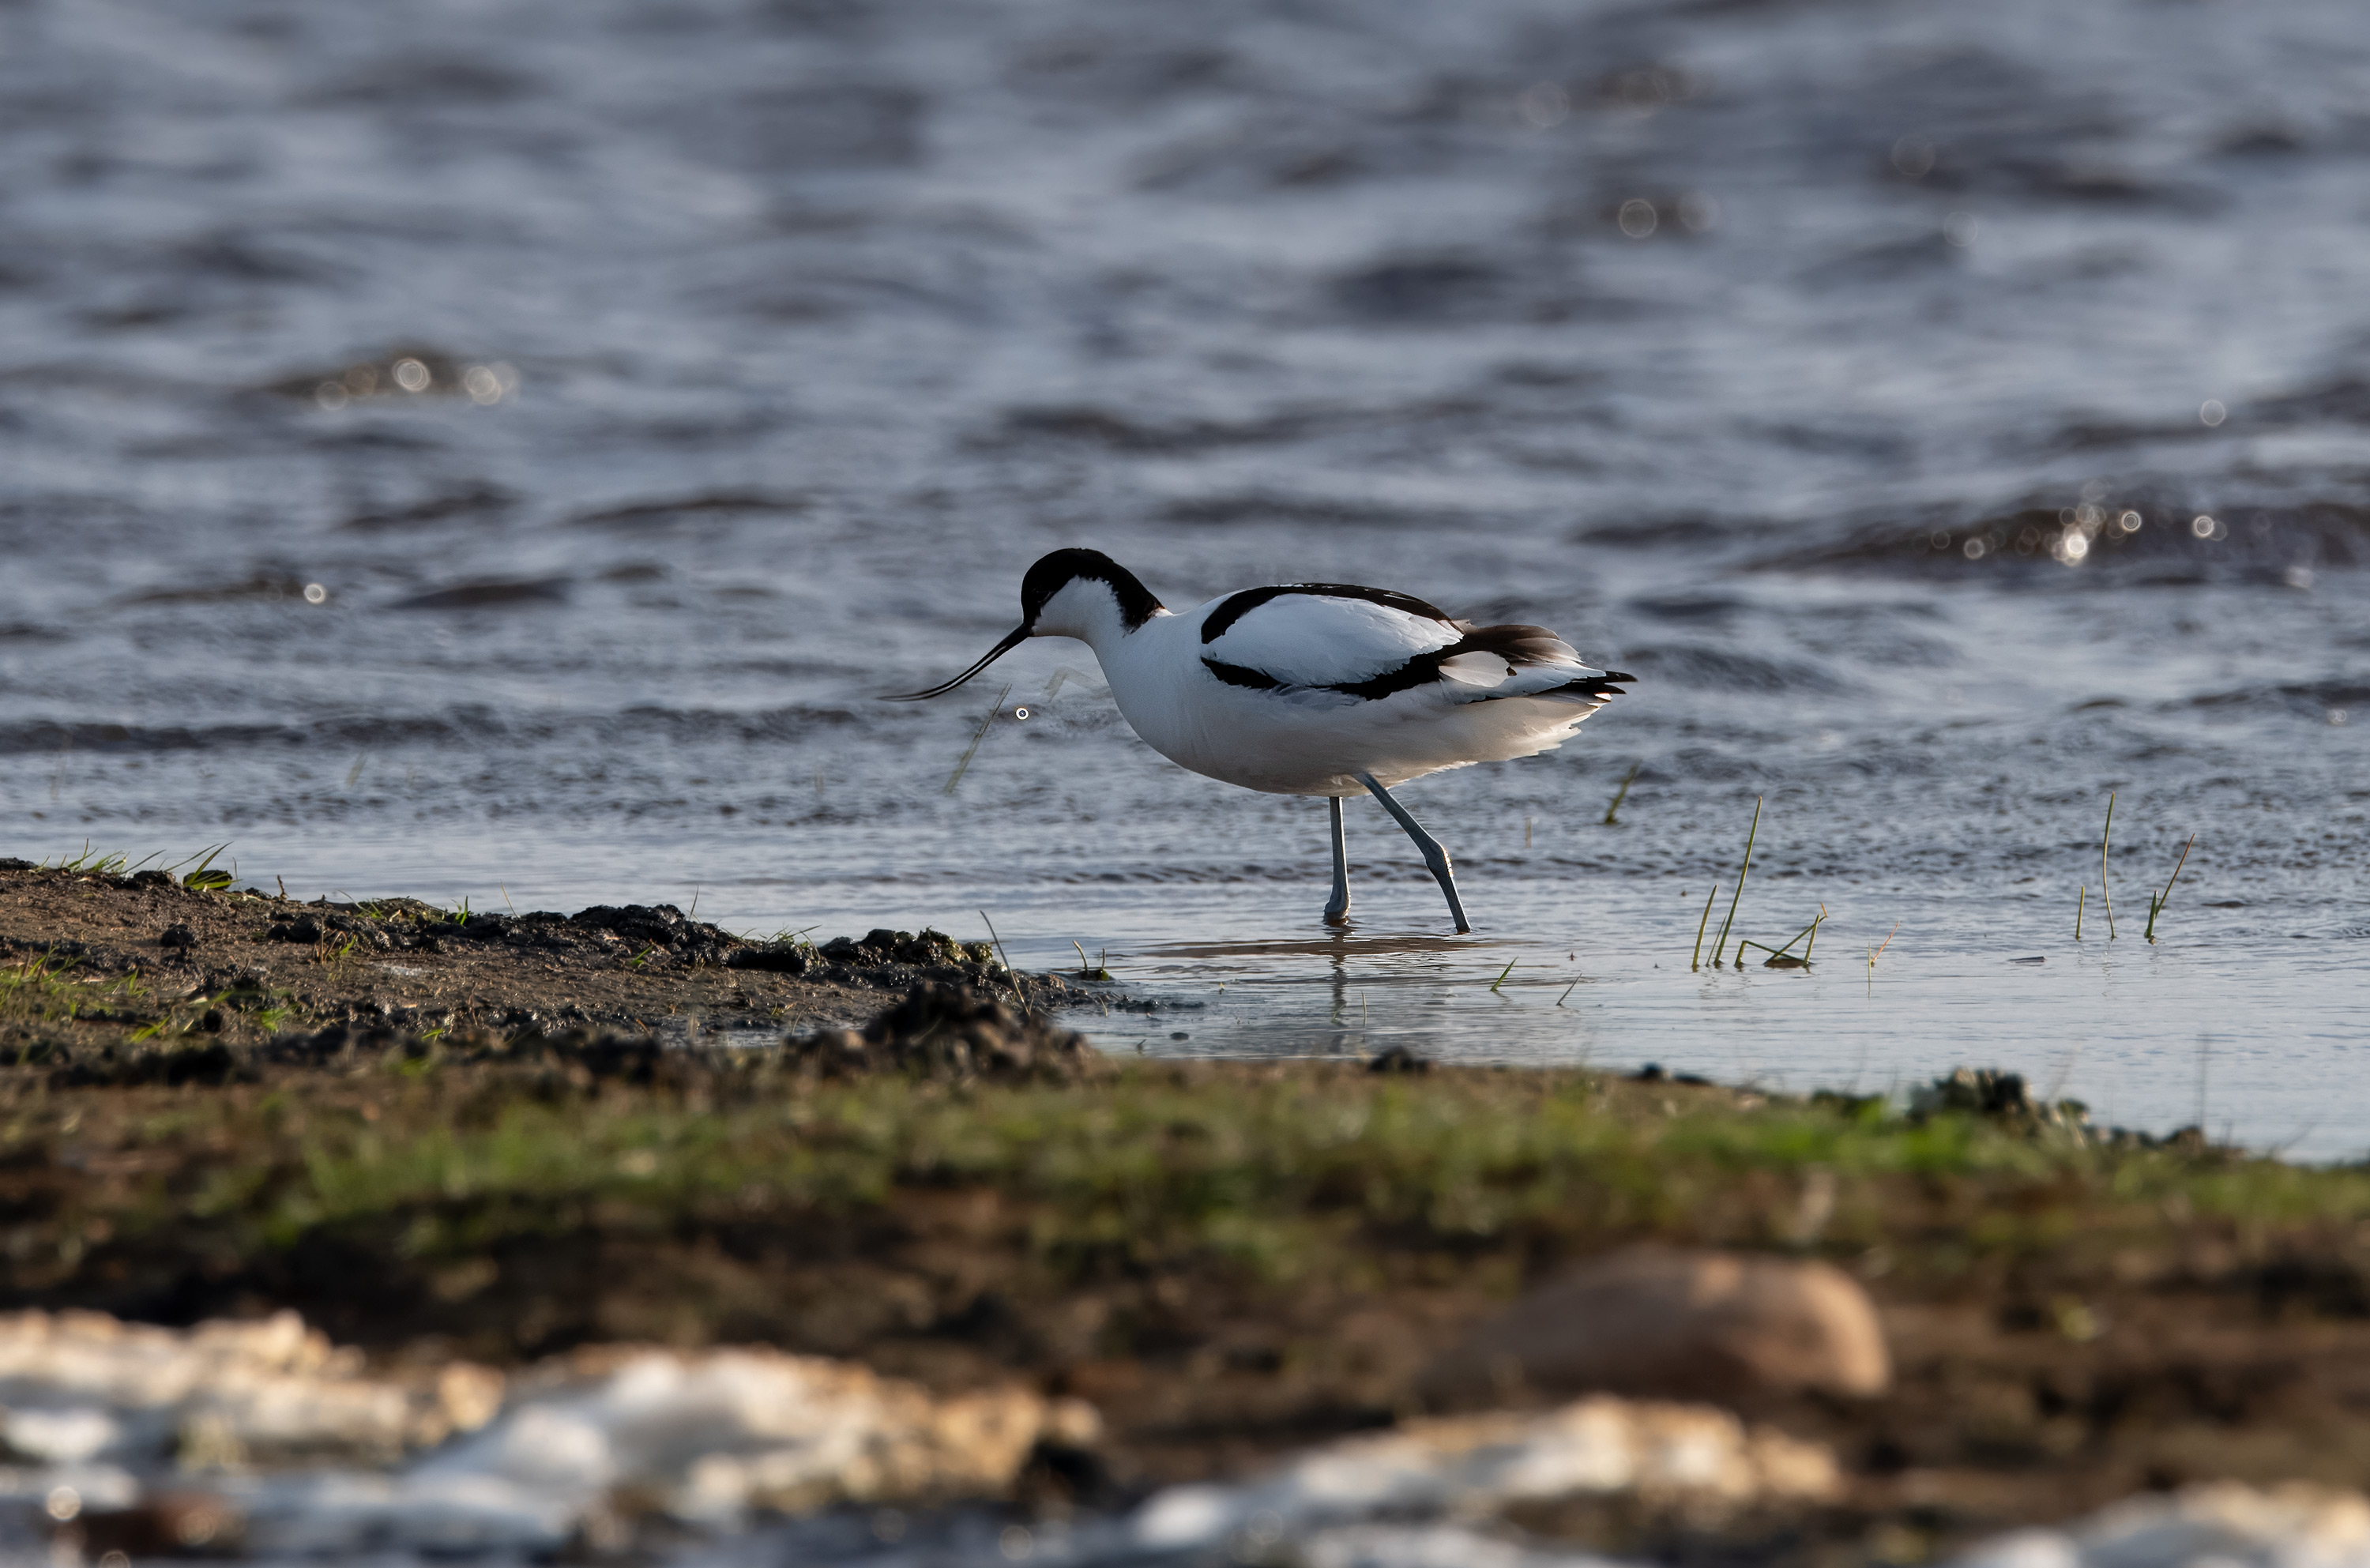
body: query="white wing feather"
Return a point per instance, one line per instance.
(1313, 639)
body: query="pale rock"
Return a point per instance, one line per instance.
(2215, 1525)
(713, 1435)
(1663, 1322)
(224, 1393)
(104, 1409)
(1433, 1546)
(1478, 1464)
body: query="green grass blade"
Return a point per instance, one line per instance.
(1623, 793)
(1721, 945)
(1696, 962)
(2105, 896)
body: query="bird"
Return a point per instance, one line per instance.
(1312, 689)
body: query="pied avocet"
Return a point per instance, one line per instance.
(1312, 689)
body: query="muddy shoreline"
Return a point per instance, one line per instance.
(243, 966)
(510, 1139)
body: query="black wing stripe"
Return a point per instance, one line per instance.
(1238, 676)
(1237, 606)
(1518, 645)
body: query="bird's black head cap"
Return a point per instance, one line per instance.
(1058, 570)
(1047, 577)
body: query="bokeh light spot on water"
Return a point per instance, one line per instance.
(411, 376)
(482, 385)
(2211, 412)
(1938, 539)
(330, 394)
(2336, 716)
(1958, 229)
(1913, 157)
(2129, 522)
(2206, 527)
(316, 594)
(1638, 217)
(361, 380)
(1976, 549)
(1543, 105)
(2077, 527)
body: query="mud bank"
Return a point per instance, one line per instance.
(143, 954)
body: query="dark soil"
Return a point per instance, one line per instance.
(144, 951)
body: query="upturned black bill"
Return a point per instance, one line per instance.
(998, 651)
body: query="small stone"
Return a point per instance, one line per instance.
(177, 937)
(1657, 1320)
(779, 958)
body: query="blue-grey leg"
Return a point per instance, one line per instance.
(1337, 908)
(1434, 855)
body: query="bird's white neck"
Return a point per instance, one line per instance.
(1090, 610)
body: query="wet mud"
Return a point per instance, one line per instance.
(141, 960)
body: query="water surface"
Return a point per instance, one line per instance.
(1950, 415)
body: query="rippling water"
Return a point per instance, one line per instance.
(1950, 414)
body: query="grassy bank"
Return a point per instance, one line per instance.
(1229, 1258)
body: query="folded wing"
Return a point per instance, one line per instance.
(1367, 645)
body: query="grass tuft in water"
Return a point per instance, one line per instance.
(1696, 962)
(1780, 957)
(2105, 896)
(1750, 834)
(2156, 901)
(1623, 793)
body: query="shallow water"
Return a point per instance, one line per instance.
(801, 329)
